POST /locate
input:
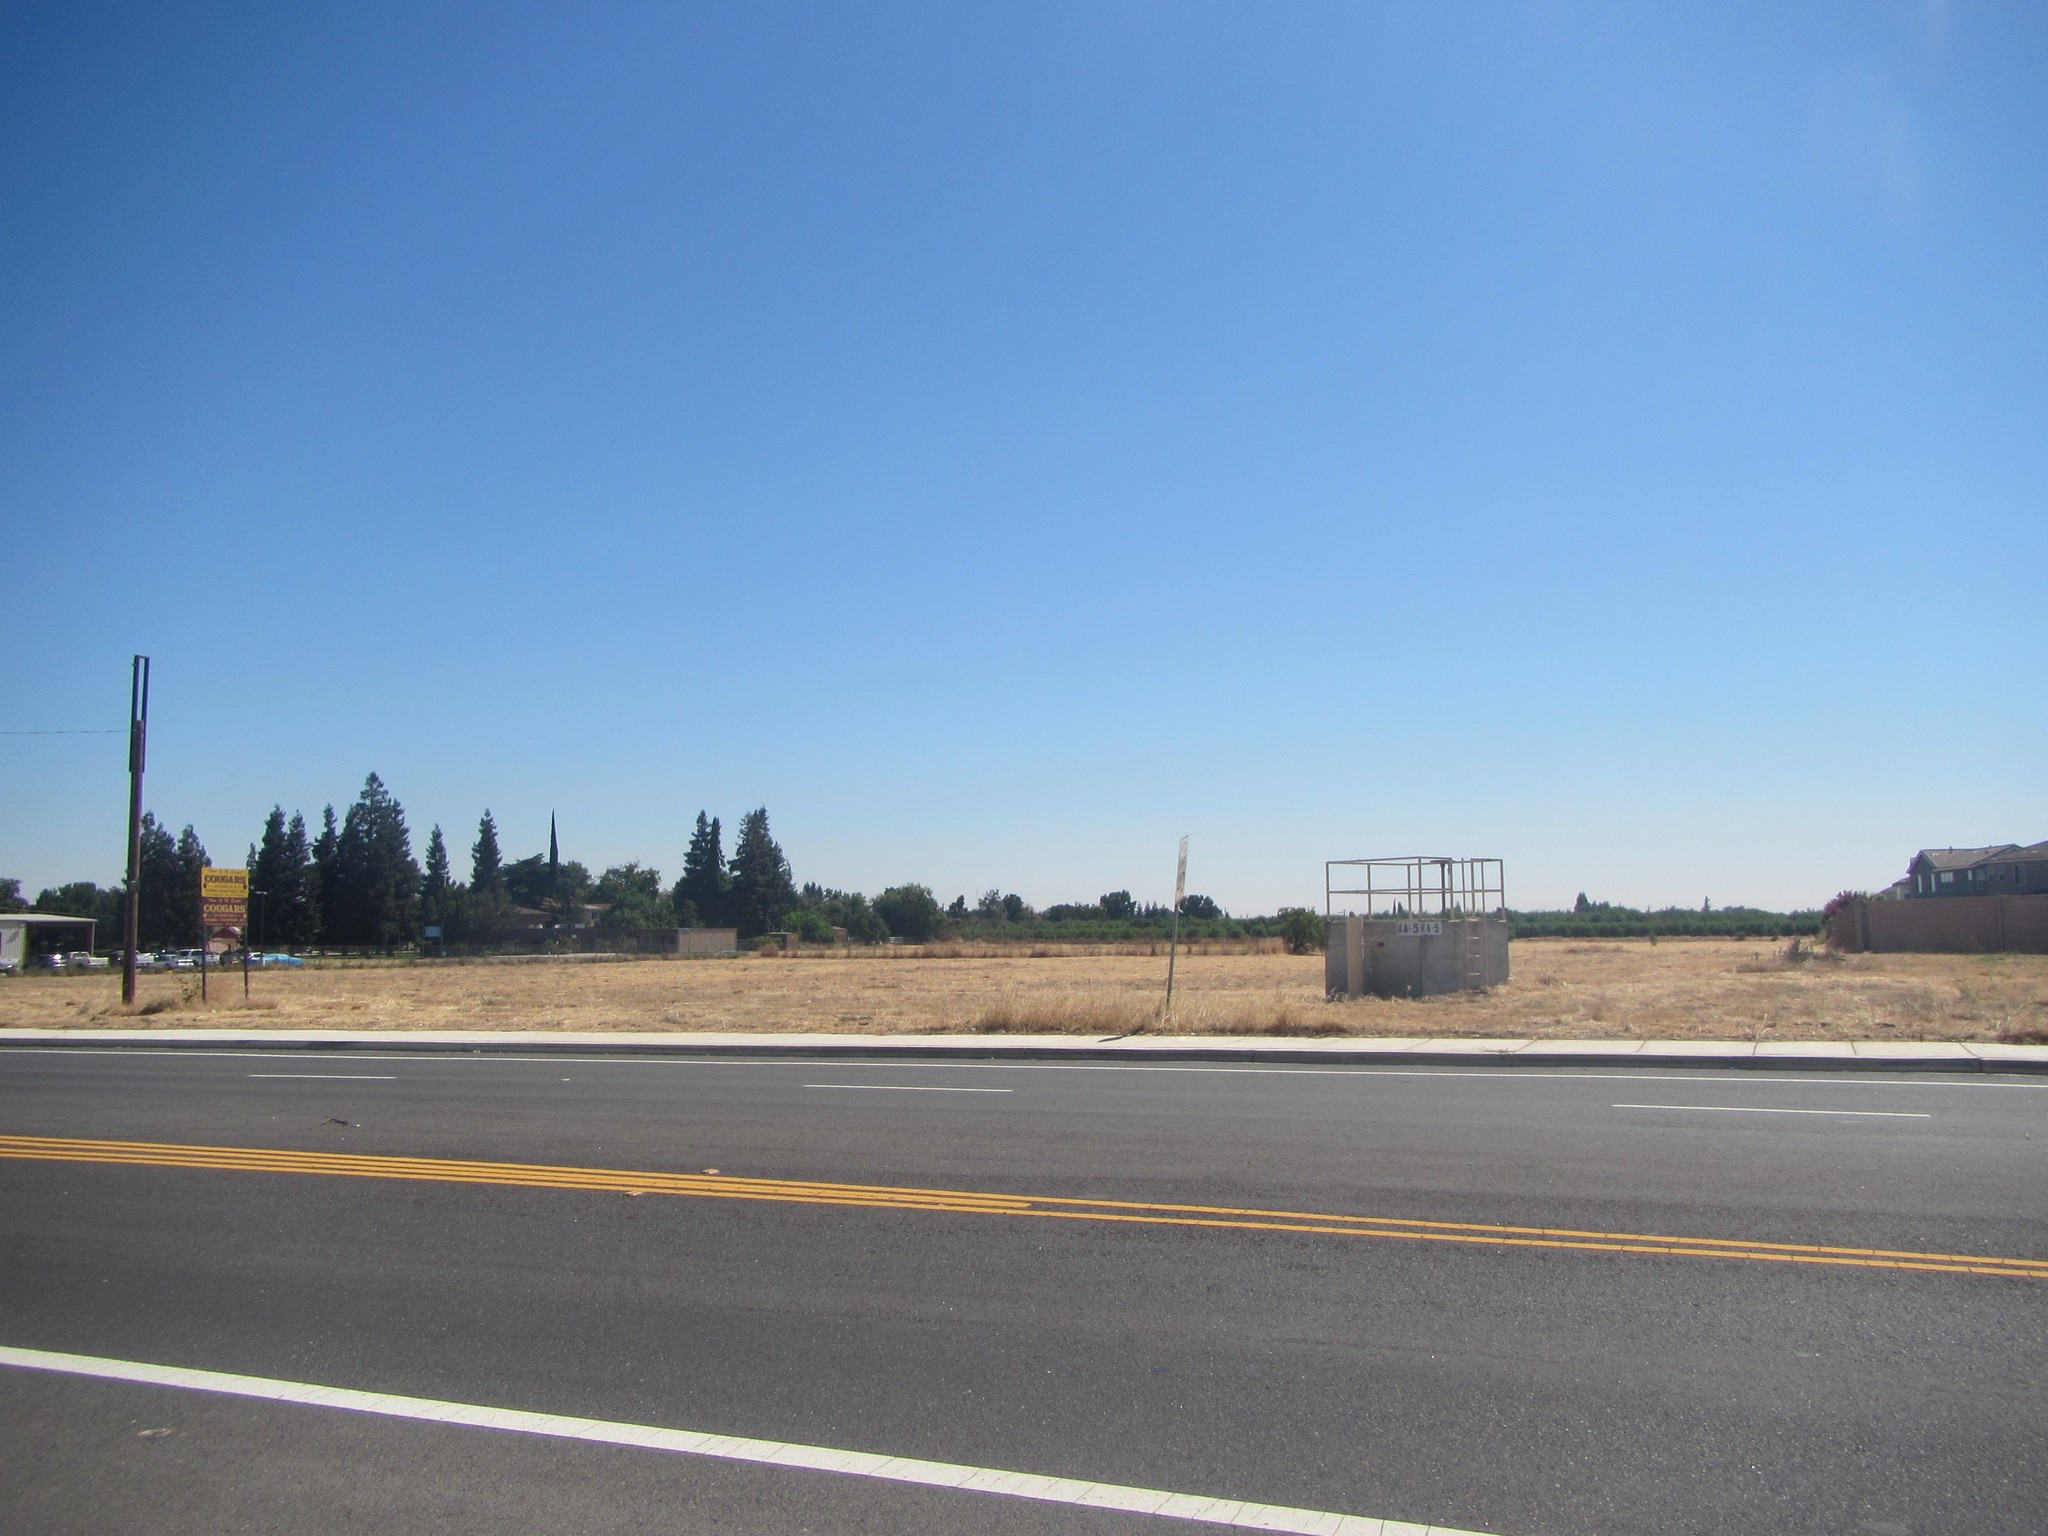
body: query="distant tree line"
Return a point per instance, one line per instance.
(356, 885)
(1604, 920)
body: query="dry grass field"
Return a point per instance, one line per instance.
(1562, 988)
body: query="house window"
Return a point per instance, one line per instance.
(1948, 877)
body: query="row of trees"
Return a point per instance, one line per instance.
(1603, 919)
(169, 918)
(356, 885)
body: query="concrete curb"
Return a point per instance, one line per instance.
(1782, 1056)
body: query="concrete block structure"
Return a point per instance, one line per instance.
(698, 942)
(1416, 926)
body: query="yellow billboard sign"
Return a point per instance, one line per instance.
(223, 884)
(223, 899)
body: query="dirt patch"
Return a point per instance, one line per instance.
(1675, 989)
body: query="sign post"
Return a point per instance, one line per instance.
(223, 916)
(1180, 892)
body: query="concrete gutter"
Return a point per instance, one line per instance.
(1769, 1055)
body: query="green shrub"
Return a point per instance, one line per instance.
(1302, 928)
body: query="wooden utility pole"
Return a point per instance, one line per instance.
(1180, 891)
(138, 740)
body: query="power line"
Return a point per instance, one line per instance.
(116, 731)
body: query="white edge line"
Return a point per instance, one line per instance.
(1755, 1109)
(1877, 1077)
(335, 1077)
(903, 1088)
(816, 1458)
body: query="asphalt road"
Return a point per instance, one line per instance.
(1440, 1377)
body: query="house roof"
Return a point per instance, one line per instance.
(1960, 858)
(2031, 851)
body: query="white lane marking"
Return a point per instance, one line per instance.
(1752, 1109)
(335, 1077)
(815, 1458)
(903, 1088)
(1878, 1077)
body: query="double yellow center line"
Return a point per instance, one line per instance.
(977, 1203)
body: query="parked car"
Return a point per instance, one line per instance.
(81, 960)
(278, 958)
(51, 962)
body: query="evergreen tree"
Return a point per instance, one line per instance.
(485, 862)
(156, 879)
(700, 895)
(377, 903)
(169, 915)
(267, 876)
(157, 884)
(763, 894)
(289, 916)
(438, 890)
(327, 897)
(554, 868)
(191, 860)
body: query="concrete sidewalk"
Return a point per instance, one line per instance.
(1773, 1055)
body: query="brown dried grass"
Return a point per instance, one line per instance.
(1571, 989)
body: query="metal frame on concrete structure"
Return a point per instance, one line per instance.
(1418, 885)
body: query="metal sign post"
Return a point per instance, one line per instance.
(1180, 892)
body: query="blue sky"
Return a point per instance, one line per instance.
(1001, 439)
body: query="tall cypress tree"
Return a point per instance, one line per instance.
(327, 893)
(763, 892)
(700, 895)
(555, 872)
(485, 862)
(437, 890)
